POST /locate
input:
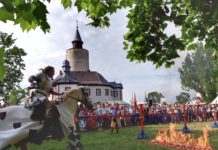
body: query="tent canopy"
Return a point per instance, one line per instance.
(215, 101)
(194, 102)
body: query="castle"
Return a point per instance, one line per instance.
(76, 72)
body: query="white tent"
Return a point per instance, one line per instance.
(194, 102)
(215, 101)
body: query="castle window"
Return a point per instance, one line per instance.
(121, 95)
(115, 94)
(111, 93)
(98, 92)
(106, 92)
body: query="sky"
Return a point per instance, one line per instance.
(106, 54)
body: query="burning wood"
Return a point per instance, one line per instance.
(178, 139)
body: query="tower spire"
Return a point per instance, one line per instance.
(77, 41)
(76, 24)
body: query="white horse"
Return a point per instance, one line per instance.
(16, 127)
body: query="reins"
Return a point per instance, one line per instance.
(76, 98)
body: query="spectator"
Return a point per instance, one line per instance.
(114, 123)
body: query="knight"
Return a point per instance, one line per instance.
(42, 108)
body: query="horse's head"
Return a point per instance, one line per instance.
(78, 94)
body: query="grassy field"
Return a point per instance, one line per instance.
(126, 139)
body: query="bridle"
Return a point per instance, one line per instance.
(81, 100)
(74, 98)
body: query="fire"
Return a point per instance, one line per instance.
(178, 139)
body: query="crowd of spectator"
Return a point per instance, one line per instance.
(101, 114)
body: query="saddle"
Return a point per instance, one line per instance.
(38, 112)
(51, 126)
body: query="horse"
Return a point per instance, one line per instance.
(17, 129)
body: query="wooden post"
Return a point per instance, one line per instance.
(214, 125)
(141, 134)
(185, 128)
(142, 117)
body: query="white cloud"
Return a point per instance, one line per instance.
(105, 51)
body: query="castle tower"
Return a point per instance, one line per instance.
(77, 56)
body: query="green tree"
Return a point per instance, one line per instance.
(148, 20)
(155, 96)
(146, 39)
(183, 97)
(13, 64)
(199, 72)
(15, 96)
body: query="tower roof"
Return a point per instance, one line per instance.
(77, 40)
(66, 66)
(66, 77)
(77, 37)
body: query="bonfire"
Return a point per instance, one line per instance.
(179, 139)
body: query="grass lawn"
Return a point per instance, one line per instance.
(126, 139)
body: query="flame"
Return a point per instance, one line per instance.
(179, 139)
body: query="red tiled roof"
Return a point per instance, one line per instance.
(85, 78)
(89, 77)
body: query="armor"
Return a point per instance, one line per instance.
(39, 97)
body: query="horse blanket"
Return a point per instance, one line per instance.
(17, 128)
(15, 125)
